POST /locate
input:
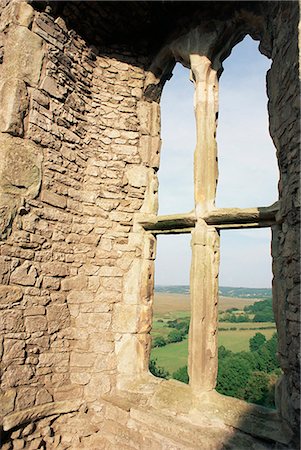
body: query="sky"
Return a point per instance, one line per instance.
(248, 171)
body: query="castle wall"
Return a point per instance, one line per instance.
(284, 111)
(79, 147)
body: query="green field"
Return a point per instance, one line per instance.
(173, 356)
(233, 336)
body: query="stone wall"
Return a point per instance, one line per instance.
(80, 147)
(284, 111)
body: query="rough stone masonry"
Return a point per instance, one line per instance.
(80, 86)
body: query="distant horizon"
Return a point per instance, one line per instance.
(236, 287)
(228, 287)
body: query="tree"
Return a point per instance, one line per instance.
(157, 370)
(223, 352)
(233, 374)
(159, 341)
(175, 336)
(257, 388)
(256, 342)
(272, 347)
(264, 316)
(181, 374)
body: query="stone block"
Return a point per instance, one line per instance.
(18, 444)
(25, 397)
(99, 322)
(23, 55)
(80, 296)
(10, 295)
(16, 375)
(57, 360)
(132, 280)
(137, 175)
(82, 360)
(132, 352)
(11, 321)
(19, 13)
(58, 317)
(35, 323)
(110, 271)
(25, 275)
(13, 349)
(43, 396)
(50, 86)
(45, 27)
(149, 150)
(35, 311)
(4, 271)
(20, 166)
(14, 102)
(105, 362)
(150, 203)
(75, 283)
(7, 401)
(51, 283)
(125, 318)
(53, 199)
(99, 384)
(82, 378)
(56, 269)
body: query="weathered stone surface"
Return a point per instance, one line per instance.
(53, 199)
(37, 412)
(58, 317)
(35, 323)
(20, 176)
(10, 295)
(7, 401)
(20, 13)
(14, 102)
(25, 275)
(76, 263)
(23, 55)
(20, 166)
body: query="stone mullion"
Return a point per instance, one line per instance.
(205, 156)
(202, 363)
(202, 359)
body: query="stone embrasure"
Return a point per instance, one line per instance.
(80, 84)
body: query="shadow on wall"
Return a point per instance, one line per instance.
(134, 28)
(269, 431)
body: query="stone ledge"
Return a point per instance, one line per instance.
(38, 412)
(175, 401)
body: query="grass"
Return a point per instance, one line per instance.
(259, 326)
(173, 306)
(238, 340)
(173, 356)
(168, 304)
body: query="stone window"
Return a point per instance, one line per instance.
(204, 224)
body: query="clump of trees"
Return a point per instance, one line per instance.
(180, 328)
(261, 311)
(156, 370)
(250, 376)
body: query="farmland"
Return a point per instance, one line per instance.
(233, 336)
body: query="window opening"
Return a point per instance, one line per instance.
(204, 224)
(248, 171)
(248, 367)
(171, 308)
(178, 141)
